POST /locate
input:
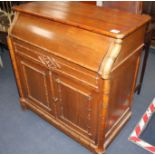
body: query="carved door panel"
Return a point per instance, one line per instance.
(74, 104)
(36, 84)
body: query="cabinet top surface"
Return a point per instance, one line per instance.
(110, 22)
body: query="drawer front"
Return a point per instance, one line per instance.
(40, 58)
(53, 62)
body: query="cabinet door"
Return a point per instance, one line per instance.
(74, 104)
(36, 83)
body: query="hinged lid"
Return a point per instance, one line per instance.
(105, 21)
(82, 34)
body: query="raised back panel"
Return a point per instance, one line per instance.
(128, 6)
(35, 83)
(75, 104)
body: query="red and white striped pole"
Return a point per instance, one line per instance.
(134, 137)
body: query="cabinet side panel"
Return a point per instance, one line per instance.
(121, 86)
(122, 83)
(123, 79)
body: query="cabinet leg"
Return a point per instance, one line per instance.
(1, 62)
(1, 50)
(23, 105)
(146, 54)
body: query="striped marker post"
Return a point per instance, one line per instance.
(134, 137)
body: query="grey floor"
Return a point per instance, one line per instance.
(25, 132)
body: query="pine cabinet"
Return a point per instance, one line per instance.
(76, 66)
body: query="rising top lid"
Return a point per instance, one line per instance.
(109, 22)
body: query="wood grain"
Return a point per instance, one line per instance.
(72, 71)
